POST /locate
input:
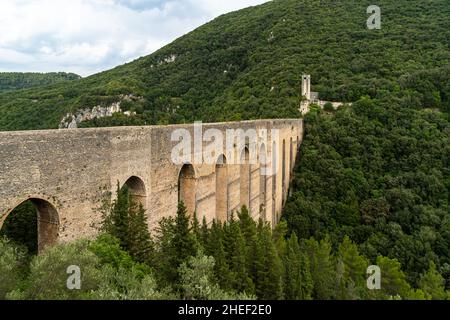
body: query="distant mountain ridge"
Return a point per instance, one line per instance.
(10, 81)
(248, 65)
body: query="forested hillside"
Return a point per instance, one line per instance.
(10, 81)
(248, 64)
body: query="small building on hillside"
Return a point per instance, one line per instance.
(311, 97)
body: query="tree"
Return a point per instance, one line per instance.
(184, 244)
(352, 269)
(12, 266)
(116, 218)
(21, 227)
(393, 280)
(322, 268)
(216, 249)
(242, 281)
(197, 281)
(248, 230)
(47, 279)
(166, 272)
(127, 221)
(298, 284)
(269, 268)
(433, 284)
(139, 242)
(328, 107)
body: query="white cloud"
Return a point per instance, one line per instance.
(88, 36)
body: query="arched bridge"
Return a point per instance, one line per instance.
(68, 173)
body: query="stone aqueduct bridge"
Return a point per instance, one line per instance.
(67, 173)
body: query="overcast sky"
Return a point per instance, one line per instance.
(88, 36)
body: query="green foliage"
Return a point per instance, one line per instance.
(183, 244)
(139, 242)
(328, 107)
(12, 267)
(127, 221)
(376, 172)
(298, 284)
(351, 271)
(322, 268)
(108, 250)
(269, 269)
(48, 276)
(129, 284)
(197, 281)
(432, 283)
(237, 253)
(393, 280)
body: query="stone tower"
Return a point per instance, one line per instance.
(306, 86)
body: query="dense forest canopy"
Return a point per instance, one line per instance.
(248, 64)
(10, 81)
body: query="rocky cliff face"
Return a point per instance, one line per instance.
(71, 121)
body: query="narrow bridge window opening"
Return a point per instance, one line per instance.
(221, 189)
(245, 178)
(262, 182)
(34, 224)
(136, 188)
(186, 188)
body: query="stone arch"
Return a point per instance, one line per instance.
(187, 187)
(221, 189)
(245, 172)
(138, 193)
(263, 181)
(48, 222)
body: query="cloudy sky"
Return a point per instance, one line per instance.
(88, 36)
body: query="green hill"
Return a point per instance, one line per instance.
(248, 64)
(10, 81)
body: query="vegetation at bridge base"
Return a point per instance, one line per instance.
(239, 259)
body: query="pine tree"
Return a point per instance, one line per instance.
(269, 285)
(184, 244)
(116, 222)
(166, 272)
(204, 234)
(352, 268)
(216, 249)
(237, 259)
(196, 231)
(433, 284)
(393, 280)
(139, 242)
(248, 230)
(322, 268)
(297, 277)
